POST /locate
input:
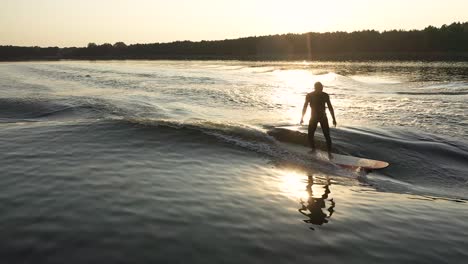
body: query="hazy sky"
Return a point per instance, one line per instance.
(78, 22)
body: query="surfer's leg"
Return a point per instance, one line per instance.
(326, 133)
(311, 132)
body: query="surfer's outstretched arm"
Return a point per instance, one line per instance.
(304, 108)
(332, 112)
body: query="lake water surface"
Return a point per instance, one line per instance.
(172, 162)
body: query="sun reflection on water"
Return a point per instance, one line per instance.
(292, 184)
(312, 193)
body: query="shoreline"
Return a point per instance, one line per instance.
(352, 57)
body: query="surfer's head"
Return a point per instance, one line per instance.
(318, 86)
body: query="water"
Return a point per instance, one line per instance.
(172, 161)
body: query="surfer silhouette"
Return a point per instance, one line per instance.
(317, 100)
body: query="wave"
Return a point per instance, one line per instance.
(58, 108)
(420, 160)
(434, 93)
(420, 164)
(449, 88)
(34, 108)
(114, 114)
(417, 160)
(376, 80)
(250, 138)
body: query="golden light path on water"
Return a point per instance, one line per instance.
(301, 185)
(293, 184)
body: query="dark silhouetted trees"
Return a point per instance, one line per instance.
(24, 53)
(447, 42)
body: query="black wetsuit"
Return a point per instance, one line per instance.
(317, 101)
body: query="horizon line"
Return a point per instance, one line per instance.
(244, 37)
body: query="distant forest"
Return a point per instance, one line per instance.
(449, 42)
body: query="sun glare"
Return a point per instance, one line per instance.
(293, 85)
(293, 185)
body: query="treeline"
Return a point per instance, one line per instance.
(447, 42)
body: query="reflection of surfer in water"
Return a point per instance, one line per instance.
(317, 100)
(314, 205)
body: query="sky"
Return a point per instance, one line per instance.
(67, 23)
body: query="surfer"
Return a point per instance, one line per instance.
(317, 100)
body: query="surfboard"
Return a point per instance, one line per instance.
(345, 161)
